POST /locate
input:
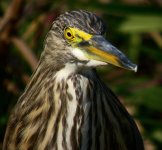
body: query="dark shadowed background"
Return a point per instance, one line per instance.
(134, 26)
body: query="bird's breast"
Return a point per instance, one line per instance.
(73, 108)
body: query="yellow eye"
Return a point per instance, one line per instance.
(68, 34)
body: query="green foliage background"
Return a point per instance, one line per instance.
(133, 26)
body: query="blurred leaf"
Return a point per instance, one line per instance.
(141, 23)
(134, 46)
(149, 97)
(157, 134)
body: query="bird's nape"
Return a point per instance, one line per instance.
(66, 106)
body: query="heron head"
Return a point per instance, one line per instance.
(78, 37)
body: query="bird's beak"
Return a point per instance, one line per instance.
(97, 48)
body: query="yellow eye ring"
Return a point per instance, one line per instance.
(68, 34)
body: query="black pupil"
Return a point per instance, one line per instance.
(69, 34)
